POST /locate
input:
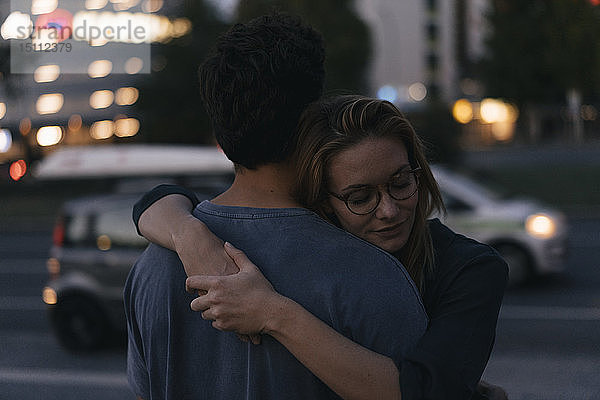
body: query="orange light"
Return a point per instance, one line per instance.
(49, 296)
(75, 122)
(17, 170)
(25, 126)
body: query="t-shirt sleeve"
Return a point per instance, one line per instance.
(156, 194)
(137, 372)
(449, 359)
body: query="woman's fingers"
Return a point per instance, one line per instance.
(200, 303)
(239, 257)
(201, 283)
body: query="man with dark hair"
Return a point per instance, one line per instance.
(255, 86)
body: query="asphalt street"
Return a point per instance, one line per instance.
(548, 343)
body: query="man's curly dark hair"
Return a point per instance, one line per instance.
(257, 82)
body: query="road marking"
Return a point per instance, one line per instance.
(62, 377)
(26, 303)
(550, 313)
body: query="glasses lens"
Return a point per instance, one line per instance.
(403, 186)
(362, 201)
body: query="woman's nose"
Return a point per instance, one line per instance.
(387, 208)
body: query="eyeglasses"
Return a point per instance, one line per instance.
(366, 199)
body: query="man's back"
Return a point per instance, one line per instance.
(354, 287)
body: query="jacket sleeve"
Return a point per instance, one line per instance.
(449, 359)
(156, 194)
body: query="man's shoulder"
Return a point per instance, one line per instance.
(294, 227)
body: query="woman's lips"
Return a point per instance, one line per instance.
(391, 230)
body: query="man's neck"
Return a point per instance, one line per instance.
(268, 186)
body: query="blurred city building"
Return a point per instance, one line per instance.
(424, 53)
(77, 91)
(422, 48)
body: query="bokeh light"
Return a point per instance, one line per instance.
(126, 96)
(102, 129)
(152, 6)
(49, 103)
(417, 91)
(134, 65)
(17, 25)
(462, 111)
(43, 6)
(17, 170)
(5, 140)
(103, 242)
(49, 135)
(46, 73)
(75, 122)
(49, 296)
(125, 127)
(95, 4)
(492, 110)
(100, 68)
(101, 99)
(388, 93)
(25, 126)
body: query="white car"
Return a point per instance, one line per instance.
(530, 236)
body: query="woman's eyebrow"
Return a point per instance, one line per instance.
(356, 186)
(402, 168)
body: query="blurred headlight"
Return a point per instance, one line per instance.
(49, 296)
(541, 226)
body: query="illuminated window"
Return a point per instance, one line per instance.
(126, 127)
(46, 73)
(49, 103)
(101, 99)
(152, 6)
(102, 129)
(43, 6)
(126, 96)
(100, 68)
(134, 65)
(95, 4)
(18, 25)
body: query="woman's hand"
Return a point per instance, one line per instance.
(169, 223)
(200, 251)
(245, 303)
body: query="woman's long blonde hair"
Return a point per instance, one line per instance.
(330, 126)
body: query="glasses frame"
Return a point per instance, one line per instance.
(344, 198)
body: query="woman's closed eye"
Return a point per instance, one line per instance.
(361, 196)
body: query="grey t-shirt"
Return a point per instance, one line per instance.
(361, 291)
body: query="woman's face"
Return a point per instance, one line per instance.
(373, 161)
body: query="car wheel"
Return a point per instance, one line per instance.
(519, 263)
(80, 324)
